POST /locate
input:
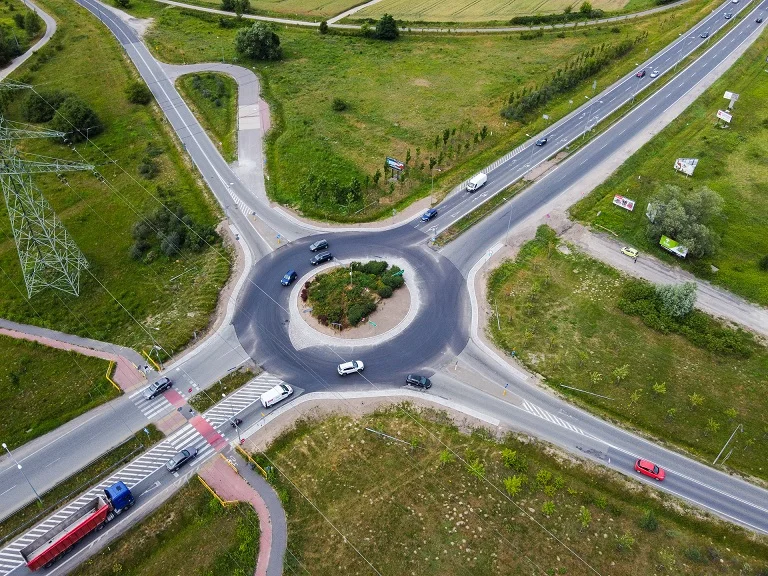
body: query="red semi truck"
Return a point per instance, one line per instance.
(44, 550)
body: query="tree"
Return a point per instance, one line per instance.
(323, 27)
(258, 42)
(338, 105)
(376, 177)
(241, 7)
(123, 3)
(677, 299)
(386, 28)
(228, 5)
(77, 118)
(32, 23)
(41, 106)
(138, 93)
(683, 216)
(585, 8)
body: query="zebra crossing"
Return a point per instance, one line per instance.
(132, 474)
(159, 405)
(548, 416)
(243, 398)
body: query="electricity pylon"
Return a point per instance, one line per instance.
(48, 255)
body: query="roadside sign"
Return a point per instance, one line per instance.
(723, 115)
(395, 164)
(686, 165)
(674, 247)
(623, 202)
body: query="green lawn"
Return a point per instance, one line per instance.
(356, 500)
(231, 382)
(560, 315)
(169, 297)
(41, 388)
(400, 96)
(190, 534)
(731, 162)
(65, 490)
(213, 99)
(18, 36)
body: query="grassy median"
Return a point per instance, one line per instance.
(438, 501)
(560, 314)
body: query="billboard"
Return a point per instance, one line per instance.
(624, 202)
(672, 246)
(723, 115)
(395, 164)
(686, 165)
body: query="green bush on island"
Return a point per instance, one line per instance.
(343, 297)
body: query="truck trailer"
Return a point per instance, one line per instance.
(46, 549)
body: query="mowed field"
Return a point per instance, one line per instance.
(474, 11)
(313, 9)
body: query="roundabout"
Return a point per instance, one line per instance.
(434, 330)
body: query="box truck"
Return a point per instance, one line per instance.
(476, 182)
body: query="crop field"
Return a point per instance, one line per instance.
(400, 97)
(122, 299)
(732, 162)
(474, 11)
(443, 503)
(307, 9)
(560, 314)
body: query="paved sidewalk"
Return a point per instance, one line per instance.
(245, 485)
(711, 299)
(126, 375)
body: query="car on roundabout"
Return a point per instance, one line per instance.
(320, 258)
(418, 381)
(350, 367)
(289, 278)
(319, 245)
(649, 469)
(275, 394)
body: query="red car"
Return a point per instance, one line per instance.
(640, 74)
(649, 469)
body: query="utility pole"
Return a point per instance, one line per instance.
(586, 119)
(22, 473)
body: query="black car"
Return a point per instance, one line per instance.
(319, 245)
(429, 214)
(705, 34)
(541, 141)
(320, 258)
(418, 381)
(728, 15)
(759, 20)
(189, 453)
(640, 74)
(289, 277)
(157, 387)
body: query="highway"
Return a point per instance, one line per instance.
(442, 331)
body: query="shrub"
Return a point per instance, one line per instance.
(386, 28)
(385, 292)
(694, 554)
(375, 267)
(763, 264)
(78, 119)
(41, 107)
(357, 312)
(393, 282)
(148, 168)
(338, 105)
(648, 521)
(323, 27)
(258, 42)
(32, 23)
(677, 299)
(19, 20)
(303, 294)
(138, 93)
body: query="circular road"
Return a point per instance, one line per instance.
(437, 334)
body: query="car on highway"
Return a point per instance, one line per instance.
(289, 277)
(654, 74)
(275, 394)
(649, 469)
(734, 1)
(631, 252)
(429, 214)
(189, 453)
(542, 141)
(705, 34)
(320, 258)
(640, 74)
(350, 367)
(157, 387)
(759, 20)
(728, 15)
(418, 381)
(319, 245)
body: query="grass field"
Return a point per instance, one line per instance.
(231, 382)
(559, 314)
(482, 10)
(413, 507)
(170, 297)
(299, 9)
(213, 99)
(41, 388)
(731, 162)
(82, 480)
(400, 96)
(190, 534)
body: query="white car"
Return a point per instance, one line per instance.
(350, 367)
(654, 73)
(275, 395)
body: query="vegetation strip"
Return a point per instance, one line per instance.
(688, 379)
(203, 400)
(439, 501)
(82, 480)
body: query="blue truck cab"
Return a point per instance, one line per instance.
(119, 497)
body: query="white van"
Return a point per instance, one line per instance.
(275, 395)
(476, 182)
